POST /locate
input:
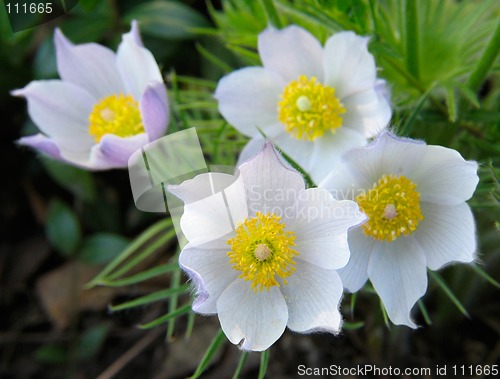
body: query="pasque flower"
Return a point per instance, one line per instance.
(414, 196)
(105, 107)
(263, 251)
(313, 102)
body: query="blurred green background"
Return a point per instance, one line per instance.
(60, 225)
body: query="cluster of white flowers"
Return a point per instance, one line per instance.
(263, 251)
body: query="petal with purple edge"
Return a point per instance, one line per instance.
(88, 65)
(43, 144)
(60, 109)
(113, 151)
(154, 110)
(137, 67)
(291, 52)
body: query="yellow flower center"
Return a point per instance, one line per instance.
(393, 208)
(115, 114)
(308, 109)
(262, 251)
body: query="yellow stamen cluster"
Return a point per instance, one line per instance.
(393, 208)
(308, 109)
(115, 114)
(262, 251)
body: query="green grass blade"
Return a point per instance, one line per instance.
(451, 103)
(217, 342)
(484, 64)
(483, 274)
(447, 290)
(214, 59)
(150, 298)
(264, 361)
(272, 14)
(174, 282)
(142, 276)
(353, 325)
(165, 318)
(384, 314)
(241, 364)
(412, 38)
(425, 313)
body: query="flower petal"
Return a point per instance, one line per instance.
(320, 226)
(367, 111)
(113, 151)
(215, 216)
(313, 296)
(447, 234)
(254, 320)
(355, 274)
(43, 144)
(341, 183)
(90, 66)
(154, 110)
(270, 186)
(201, 186)
(209, 268)
(398, 273)
(248, 99)
(329, 149)
(444, 177)
(251, 149)
(60, 110)
(134, 36)
(136, 65)
(349, 67)
(291, 52)
(388, 154)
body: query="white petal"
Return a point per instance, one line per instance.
(398, 272)
(367, 111)
(355, 274)
(446, 234)
(313, 296)
(137, 66)
(211, 272)
(291, 52)
(201, 186)
(90, 66)
(444, 177)
(320, 226)
(269, 185)
(215, 216)
(61, 111)
(134, 36)
(251, 149)
(248, 99)
(341, 183)
(386, 155)
(349, 67)
(254, 320)
(329, 149)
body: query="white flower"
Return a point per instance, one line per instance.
(313, 102)
(105, 107)
(263, 251)
(414, 196)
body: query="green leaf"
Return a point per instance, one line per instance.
(166, 19)
(51, 354)
(469, 95)
(141, 276)
(451, 103)
(79, 182)
(479, 270)
(91, 341)
(424, 311)
(353, 325)
(62, 229)
(241, 364)
(216, 343)
(165, 318)
(102, 248)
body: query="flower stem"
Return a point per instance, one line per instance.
(485, 62)
(272, 14)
